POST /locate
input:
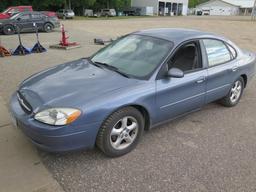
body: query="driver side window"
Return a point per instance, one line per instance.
(187, 58)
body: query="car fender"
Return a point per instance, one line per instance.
(48, 22)
(142, 95)
(247, 65)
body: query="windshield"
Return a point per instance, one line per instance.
(134, 55)
(15, 16)
(7, 10)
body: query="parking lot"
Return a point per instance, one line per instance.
(210, 150)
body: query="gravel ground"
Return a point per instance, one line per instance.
(210, 150)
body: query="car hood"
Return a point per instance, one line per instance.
(7, 21)
(4, 16)
(70, 85)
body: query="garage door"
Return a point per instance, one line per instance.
(220, 11)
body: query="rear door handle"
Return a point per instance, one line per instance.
(200, 80)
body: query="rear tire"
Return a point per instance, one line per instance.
(48, 27)
(235, 94)
(120, 132)
(9, 30)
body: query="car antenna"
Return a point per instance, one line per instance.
(38, 48)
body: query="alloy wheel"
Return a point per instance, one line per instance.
(236, 91)
(124, 133)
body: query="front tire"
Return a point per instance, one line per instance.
(120, 132)
(8, 30)
(235, 94)
(48, 27)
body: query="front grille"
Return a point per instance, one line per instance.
(24, 103)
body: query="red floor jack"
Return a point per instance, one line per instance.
(3, 51)
(64, 44)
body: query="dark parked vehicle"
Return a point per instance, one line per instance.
(65, 14)
(132, 11)
(137, 82)
(25, 23)
(199, 12)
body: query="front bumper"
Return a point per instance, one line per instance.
(57, 24)
(54, 138)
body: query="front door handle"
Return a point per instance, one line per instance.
(200, 80)
(235, 68)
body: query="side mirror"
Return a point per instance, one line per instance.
(19, 19)
(175, 72)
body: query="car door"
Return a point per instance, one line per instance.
(175, 96)
(222, 68)
(37, 18)
(23, 22)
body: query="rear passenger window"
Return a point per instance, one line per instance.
(35, 16)
(25, 17)
(217, 52)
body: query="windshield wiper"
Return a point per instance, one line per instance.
(91, 62)
(111, 67)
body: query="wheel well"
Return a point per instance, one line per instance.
(49, 23)
(3, 28)
(9, 25)
(145, 114)
(245, 79)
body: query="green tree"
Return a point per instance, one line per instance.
(47, 4)
(80, 5)
(194, 3)
(77, 5)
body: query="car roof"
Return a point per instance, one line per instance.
(21, 6)
(29, 12)
(177, 35)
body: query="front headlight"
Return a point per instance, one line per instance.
(58, 116)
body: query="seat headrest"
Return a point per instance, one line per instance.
(189, 52)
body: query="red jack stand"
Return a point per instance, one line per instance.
(3, 51)
(64, 44)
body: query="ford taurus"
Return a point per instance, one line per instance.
(135, 83)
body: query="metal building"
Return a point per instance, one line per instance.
(226, 7)
(164, 7)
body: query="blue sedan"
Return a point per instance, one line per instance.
(135, 83)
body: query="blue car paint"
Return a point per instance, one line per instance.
(98, 92)
(175, 97)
